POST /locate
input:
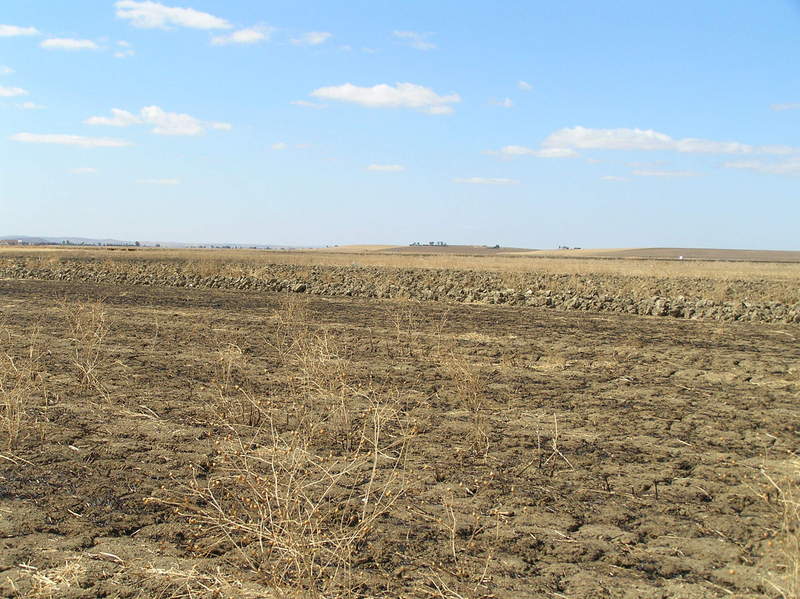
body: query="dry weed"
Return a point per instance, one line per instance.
(297, 515)
(786, 545)
(88, 327)
(22, 393)
(470, 391)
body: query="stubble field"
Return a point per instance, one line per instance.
(183, 442)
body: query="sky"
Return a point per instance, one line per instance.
(625, 123)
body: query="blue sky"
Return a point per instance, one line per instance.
(531, 124)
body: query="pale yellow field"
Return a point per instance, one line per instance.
(571, 263)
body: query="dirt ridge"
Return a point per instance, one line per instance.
(592, 293)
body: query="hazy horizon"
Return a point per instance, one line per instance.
(306, 123)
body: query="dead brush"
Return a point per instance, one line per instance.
(233, 403)
(22, 393)
(547, 453)
(786, 545)
(297, 515)
(406, 318)
(88, 326)
(291, 325)
(469, 389)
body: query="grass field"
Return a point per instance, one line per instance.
(165, 442)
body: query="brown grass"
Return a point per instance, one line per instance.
(246, 262)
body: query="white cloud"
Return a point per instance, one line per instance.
(510, 151)
(125, 51)
(170, 123)
(556, 153)
(12, 92)
(153, 15)
(790, 166)
(70, 140)
(4, 70)
(164, 123)
(612, 178)
(66, 43)
(307, 104)
(487, 181)
(658, 173)
(647, 139)
(251, 35)
(312, 38)
(159, 181)
(14, 31)
(790, 106)
(87, 170)
(402, 95)
(416, 40)
(386, 168)
(280, 145)
(524, 86)
(504, 103)
(31, 106)
(119, 118)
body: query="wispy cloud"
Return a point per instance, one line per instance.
(660, 173)
(86, 170)
(486, 181)
(612, 178)
(251, 35)
(4, 70)
(647, 139)
(790, 166)
(14, 31)
(524, 86)
(401, 95)
(70, 140)
(415, 39)
(280, 145)
(153, 15)
(512, 151)
(307, 104)
(386, 168)
(790, 106)
(504, 103)
(312, 38)
(159, 181)
(66, 43)
(124, 50)
(163, 122)
(12, 92)
(31, 106)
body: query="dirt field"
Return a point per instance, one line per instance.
(702, 254)
(162, 442)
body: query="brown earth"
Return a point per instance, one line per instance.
(676, 253)
(459, 250)
(705, 254)
(750, 300)
(521, 452)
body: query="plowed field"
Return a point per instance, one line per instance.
(164, 442)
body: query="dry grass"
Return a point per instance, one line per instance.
(298, 485)
(469, 388)
(87, 323)
(785, 547)
(22, 393)
(247, 262)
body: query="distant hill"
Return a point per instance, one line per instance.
(34, 240)
(674, 254)
(58, 240)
